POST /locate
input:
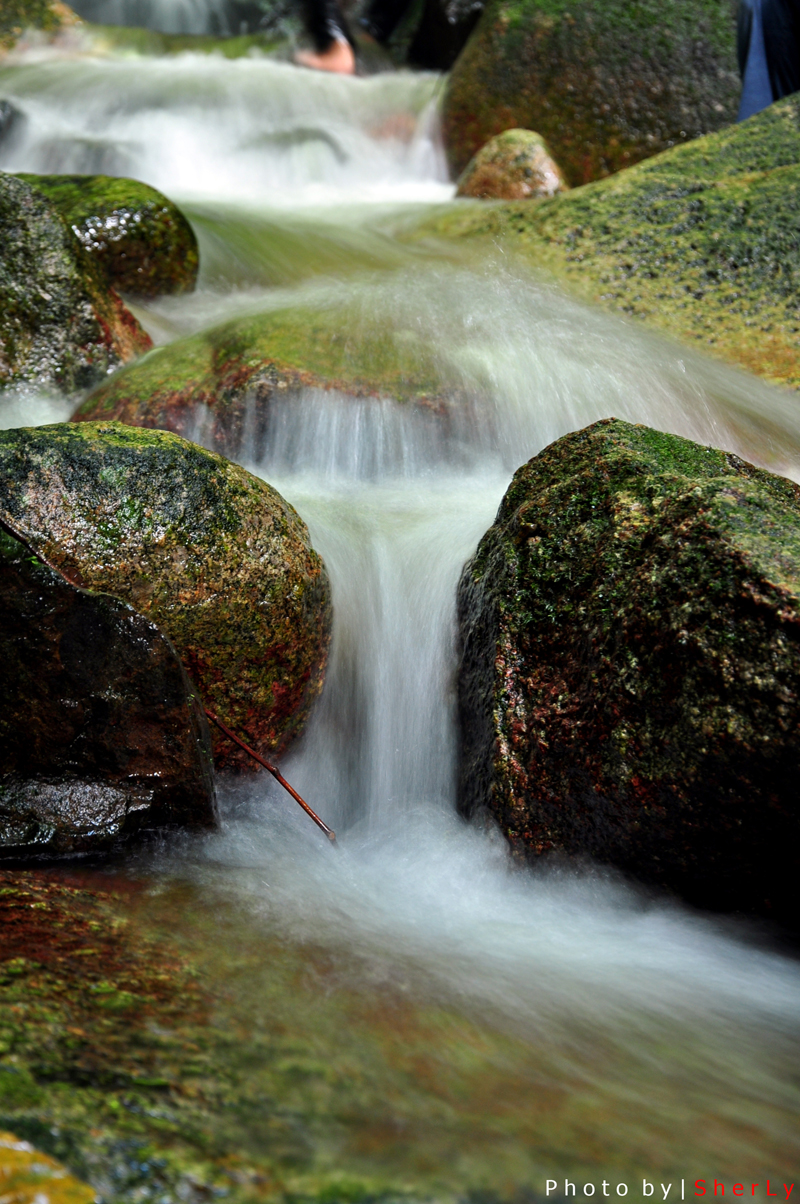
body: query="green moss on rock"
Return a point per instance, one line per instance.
(212, 555)
(513, 166)
(702, 241)
(60, 324)
(605, 82)
(246, 363)
(137, 236)
(630, 677)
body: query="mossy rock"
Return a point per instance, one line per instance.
(513, 166)
(17, 16)
(211, 554)
(702, 241)
(222, 377)
(27, 1176)
(605, 82)
(629, 682)
(101, 733)
(61, 326)
(139, 238)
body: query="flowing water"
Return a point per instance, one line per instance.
(609, 1032)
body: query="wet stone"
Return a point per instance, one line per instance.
(513, 166)
(140, 240)
(629, 685)
(211, 554)
(61, 326)
(605, 82)
(101, 734)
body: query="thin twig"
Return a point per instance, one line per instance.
(276, 773)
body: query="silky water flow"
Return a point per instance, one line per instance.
(672, 1035)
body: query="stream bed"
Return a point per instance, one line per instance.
(406, 1015)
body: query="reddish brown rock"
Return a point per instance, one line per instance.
(629, 684)
(513, 166)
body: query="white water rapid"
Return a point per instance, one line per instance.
(296, 184)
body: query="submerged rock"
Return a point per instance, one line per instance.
(60, 324)
(138, 237)
(215, 385)
(605, 82)
(630, 672)
(514, 166)
(702, 241)
(102, 735)
(211, 554)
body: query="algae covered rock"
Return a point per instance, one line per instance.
(513, 166)
(702, 241)
(605, 82)
(211, 554)
(16, 16)
(136, 235)
(214, 385)
(101, 735)
(630, 673)
(60, 324)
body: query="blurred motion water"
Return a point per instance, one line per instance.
(681, 1030)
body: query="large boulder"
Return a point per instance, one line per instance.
(215, 385)
(630, 666)
(605, 82)
(702, 241)
(514, 166)
(137, 236)
(101, 734)
(209, 553)
(61, 326)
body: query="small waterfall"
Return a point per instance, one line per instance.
(296, 184)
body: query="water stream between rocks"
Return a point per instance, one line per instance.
(561, 1021)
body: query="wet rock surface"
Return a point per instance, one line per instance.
(213, 386)
(513, 166)
(702, 241)
(211, 554)
(101, 735)
(61, 326)
(630, 666)
(606, 83)
(137, 236)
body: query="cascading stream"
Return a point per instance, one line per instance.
(296, 184)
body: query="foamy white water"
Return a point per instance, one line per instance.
(296, 183)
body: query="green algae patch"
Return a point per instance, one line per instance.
(138, 237)
(702, 242)
(630, 677)
(27, 1176)
(119, 39)
(61, 325)
(209, 553)
(244, 365)
(605, 82)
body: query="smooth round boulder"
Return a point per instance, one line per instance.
(61, 326)
(212, 555)
(138, 237)
(605, 82)
(629, 685)
(513, 166)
